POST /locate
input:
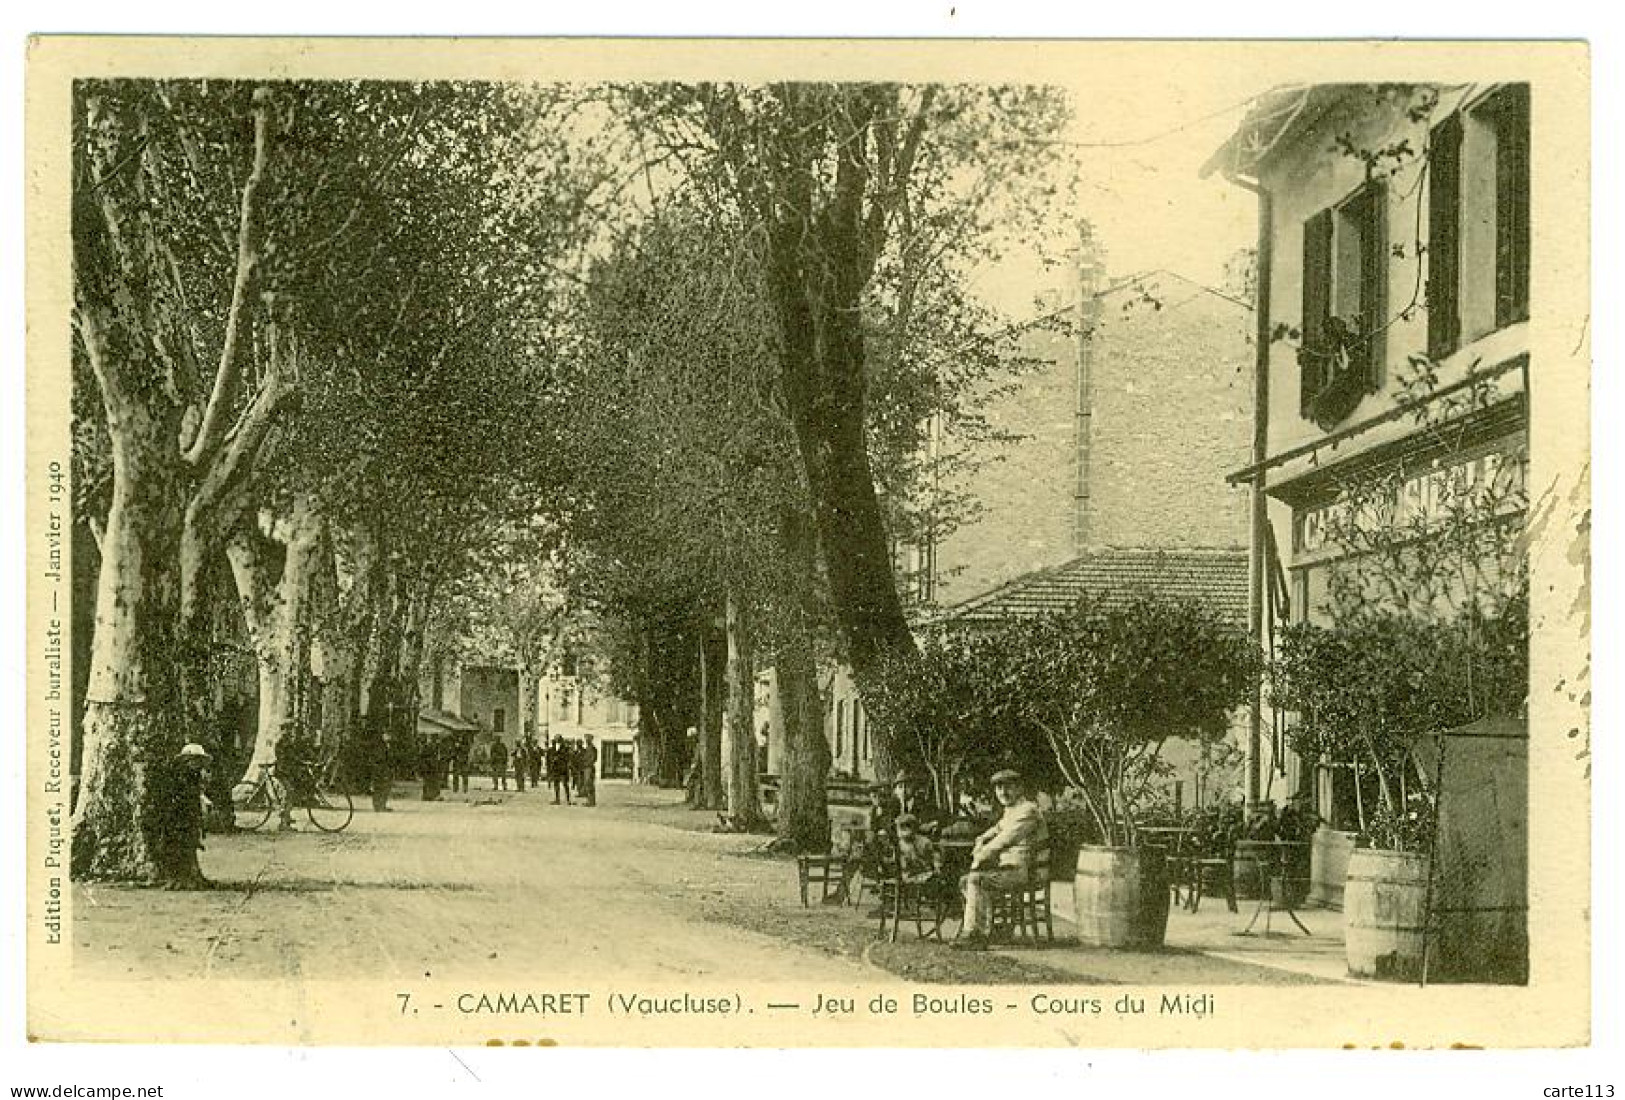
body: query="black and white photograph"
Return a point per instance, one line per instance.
(740, 544)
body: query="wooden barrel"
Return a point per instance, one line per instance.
(1384, 913)
(1121, 896)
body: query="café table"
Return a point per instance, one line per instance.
(1275, 863)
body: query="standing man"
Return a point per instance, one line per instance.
(429, 752)
(589, 771)
(534, 753)
(558, 769)
(180, 785)
(521, 763)
(460, 762)
(691, 780)
(498, 762)
(459, 750)
(1001, 858)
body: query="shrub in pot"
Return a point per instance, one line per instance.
(1365, 689)
(1108, 685)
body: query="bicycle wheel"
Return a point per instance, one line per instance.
(254, 807)
(330, 811)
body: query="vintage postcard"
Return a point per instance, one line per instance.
(808, 543)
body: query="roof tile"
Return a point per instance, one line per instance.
(1114, 577)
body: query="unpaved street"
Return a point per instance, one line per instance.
(483, 885)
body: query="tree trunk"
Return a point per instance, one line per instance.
(126, 825)
(410, 663)
(672, 695)
(817, 272)
(652, 764)
(803, 824)
(744, 803)
(275, 575)
(136, 818)
(712, 689)
(331, 648)
(374, 763)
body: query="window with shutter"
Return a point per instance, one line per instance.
(1313, 357)
(1512, 205)
(1444, 238)
(1370, 217)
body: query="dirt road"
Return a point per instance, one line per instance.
(497, 885)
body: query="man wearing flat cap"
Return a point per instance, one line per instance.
(1001, 857)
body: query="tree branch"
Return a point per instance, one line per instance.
(250, 228)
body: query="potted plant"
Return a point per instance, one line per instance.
(1364, 691)
(1108, 686)
(1071, 827)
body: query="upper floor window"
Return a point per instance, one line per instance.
(1345, 302)
(1510, 111)
(499, 720)
(1478, 220)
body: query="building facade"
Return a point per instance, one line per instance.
(1137, 403)
(1394, 288)
(572, 706)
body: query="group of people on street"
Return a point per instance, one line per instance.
(570, 768)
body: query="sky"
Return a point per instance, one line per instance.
(1140, 149)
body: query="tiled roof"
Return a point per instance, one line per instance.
(1113, 577)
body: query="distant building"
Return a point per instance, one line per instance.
(1139, 404)
(573, 706)
(488, 696)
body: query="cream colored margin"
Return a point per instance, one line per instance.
(1553, 1010)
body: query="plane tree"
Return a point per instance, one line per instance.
(866, 206)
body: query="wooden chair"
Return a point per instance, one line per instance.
(1022, 912)
(828, 872)
(1179, 854)
(1221, 867)
(922, 902)
(858, 883)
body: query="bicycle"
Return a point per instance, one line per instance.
(329, 810)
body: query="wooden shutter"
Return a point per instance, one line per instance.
(1373, 222)
(1444, 238)
(1313, 356)
(1512, 205)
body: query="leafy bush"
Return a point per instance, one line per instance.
(1366, 688)
(954, 704)
(1083, 700)
(1109, 685)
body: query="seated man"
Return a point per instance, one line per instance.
(1001, 857)
(910, 795)
(918, 858)
(877, 842)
